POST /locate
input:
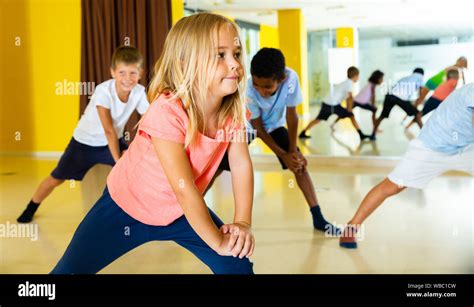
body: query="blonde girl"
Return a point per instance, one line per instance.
(155, 190)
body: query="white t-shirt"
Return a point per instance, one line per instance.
(340, 93)
(89, 130)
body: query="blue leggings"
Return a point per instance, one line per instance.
(107, 232)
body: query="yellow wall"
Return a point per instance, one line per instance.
(49, 52)
(177, 10)
(269, 37)
(293, 43)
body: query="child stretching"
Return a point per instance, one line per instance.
(440, 94)
(439, 78)
(400, 95)
(445, 143)
(332, 104)
(98, 137)
(273, 93)
(366, 97)
(436, 80)
(154, 192)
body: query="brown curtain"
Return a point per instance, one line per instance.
(108, 24)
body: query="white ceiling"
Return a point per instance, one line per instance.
(410, 19)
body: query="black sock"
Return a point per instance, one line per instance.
(361, 135)
(303, 135)
(27, 215)
(320, 223)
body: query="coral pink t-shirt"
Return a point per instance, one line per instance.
(137, 182)
(444, 89)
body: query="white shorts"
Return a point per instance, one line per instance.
(421, 164)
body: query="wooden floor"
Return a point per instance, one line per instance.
(428, 231)
(343, 140)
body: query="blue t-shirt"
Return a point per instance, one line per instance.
(272, 110)
(407, 86)
(451, 126)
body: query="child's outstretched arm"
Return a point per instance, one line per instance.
(108, 125)
(241, 245)
(350, 102)
(176, 166)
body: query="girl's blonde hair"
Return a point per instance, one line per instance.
(189, 54)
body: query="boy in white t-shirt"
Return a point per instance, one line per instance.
(332, 104)
(98, 137)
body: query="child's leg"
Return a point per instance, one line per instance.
(335, 122)
(354, 122)
(105, 234)
(410, 110)
(311, 124)
(280, 136)
(369, 107)
(410, 124)
(74, 163)
(374, 118)
(324, 113)
(418, 120)
(430, 105)
(388, 105)
(372, 108)
(372, 201)
(182, 233)
(305, 183)
(343, 113)
(45, 188)
(377, 123)
(426, 109)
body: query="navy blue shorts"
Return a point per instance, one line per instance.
(327, 110)
(365, 106)
(392, 100)
(78, 158)
(430, 105)
(279, 135)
